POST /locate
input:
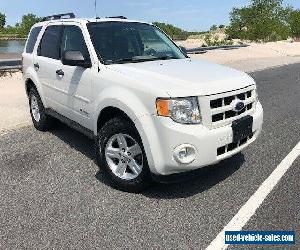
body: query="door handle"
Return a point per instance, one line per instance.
(36, 66)
(60, 72)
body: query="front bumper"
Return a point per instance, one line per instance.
(205, 141)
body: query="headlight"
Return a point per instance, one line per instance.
(181, 110)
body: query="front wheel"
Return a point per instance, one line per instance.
(121, 154)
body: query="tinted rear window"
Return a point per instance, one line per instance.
(32, 39)
(50, 43)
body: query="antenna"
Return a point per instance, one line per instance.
(96, 14)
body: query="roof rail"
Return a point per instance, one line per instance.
(119, 17)
(59, 16)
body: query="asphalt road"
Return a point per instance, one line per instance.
(53, 195)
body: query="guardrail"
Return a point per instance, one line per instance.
(10, 65)
(201, 50)
(17, 64)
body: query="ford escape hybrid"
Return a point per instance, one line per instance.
(152, 110)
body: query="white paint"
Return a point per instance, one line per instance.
(249, 208)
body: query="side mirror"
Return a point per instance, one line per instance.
(75, 58)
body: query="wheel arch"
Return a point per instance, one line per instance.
(30, 83)
(139, 107)
(142, 124)
(109, 113)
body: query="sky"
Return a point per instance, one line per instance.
(191, 15)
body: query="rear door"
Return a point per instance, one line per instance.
(47, 62)
(27, 56)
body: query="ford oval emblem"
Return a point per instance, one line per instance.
(238, 106)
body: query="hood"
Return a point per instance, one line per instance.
(185, 77)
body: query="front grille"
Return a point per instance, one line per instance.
(222, 109)
(234, 145)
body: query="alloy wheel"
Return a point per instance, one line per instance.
(124, 156)
(35, 110)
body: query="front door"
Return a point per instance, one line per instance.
(76, 81)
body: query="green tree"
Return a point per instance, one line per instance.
(262, 20)
(27, 22)
(174, 32)
(2, 20)
(213, 28)
(294, 22)
(240, 19)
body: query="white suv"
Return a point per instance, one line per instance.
(152, 110)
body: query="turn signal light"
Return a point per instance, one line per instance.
(162, 107)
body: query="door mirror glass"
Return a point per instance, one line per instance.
(75, 58)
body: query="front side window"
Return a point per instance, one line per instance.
(125, 42)
(73, 40)
(50, 43)
(32, 39)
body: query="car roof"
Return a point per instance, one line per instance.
(88, 20)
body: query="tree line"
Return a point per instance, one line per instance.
(261, 20)
(174, 32)
(21, 29)
(264, 20)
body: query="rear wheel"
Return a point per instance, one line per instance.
(121, 154)
(40, 119)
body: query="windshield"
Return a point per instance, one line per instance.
(126, 42)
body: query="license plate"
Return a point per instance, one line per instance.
(242, 128)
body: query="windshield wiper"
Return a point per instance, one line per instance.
(165, 58)
(132, 60)
(136, 60)
(123, 60)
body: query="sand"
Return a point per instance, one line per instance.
(255, 51)
(255, 56)
(10, 56)
(14, 111)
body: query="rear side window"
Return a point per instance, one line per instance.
(50, 43)
(32, 39)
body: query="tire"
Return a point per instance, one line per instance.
(41, 121)
(125, 164)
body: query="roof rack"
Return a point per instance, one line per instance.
(118, 17)
(59, 16)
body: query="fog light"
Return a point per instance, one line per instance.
(182, 153)
(185, 154)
